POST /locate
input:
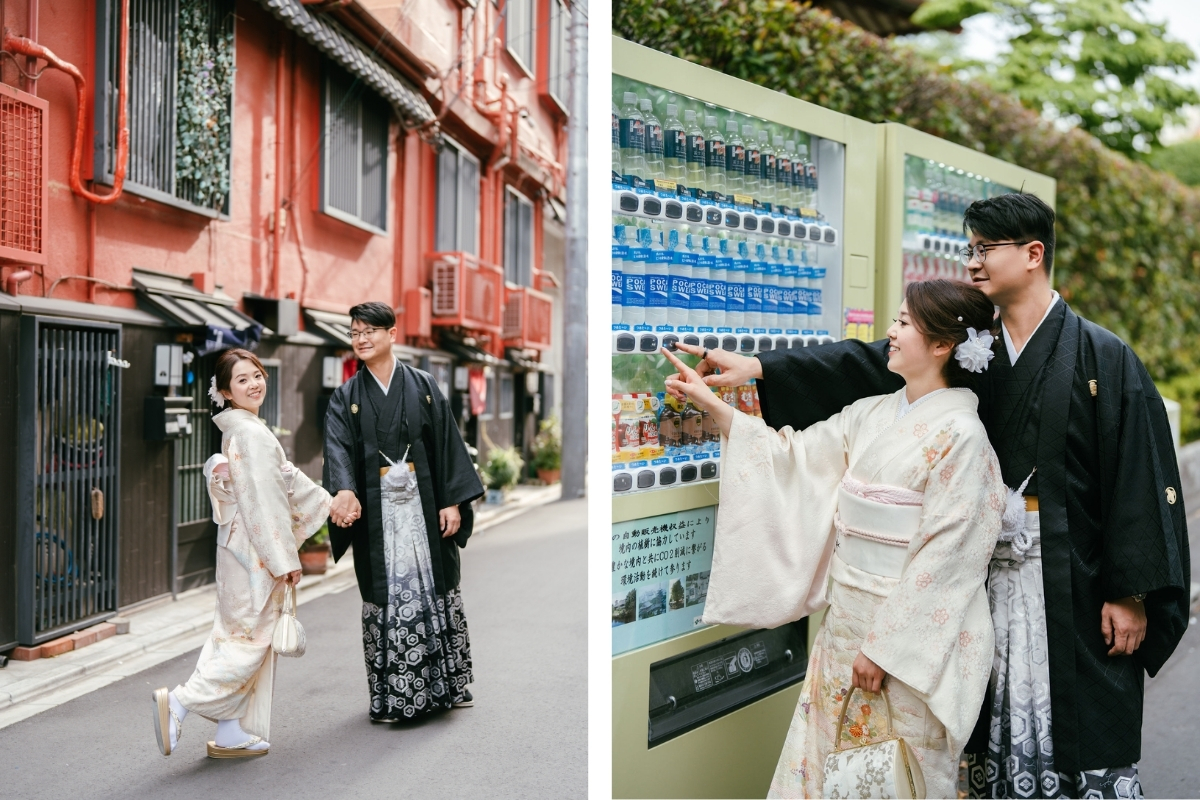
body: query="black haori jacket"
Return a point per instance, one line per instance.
(445, 476)
(1112, 517)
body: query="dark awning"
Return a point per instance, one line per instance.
(219, 324)
(343, 48)
(469, 353)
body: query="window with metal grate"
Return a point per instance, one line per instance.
(518, 239)
(271, 410)
(355, 152)
(560, 52)
(457, 199)
(180, 96)
(519, 32)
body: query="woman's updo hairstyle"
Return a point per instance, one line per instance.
(228, 360)
(942, 310)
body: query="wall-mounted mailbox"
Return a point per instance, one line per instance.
(166, 418)
(168, 365)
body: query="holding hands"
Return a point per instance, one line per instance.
(345, 509)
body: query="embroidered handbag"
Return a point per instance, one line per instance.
(289, 639)
(884, 769)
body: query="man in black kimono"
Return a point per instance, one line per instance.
(1070, 399)
(403, 484)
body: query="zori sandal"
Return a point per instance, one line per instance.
(163, 714)
(237, 751)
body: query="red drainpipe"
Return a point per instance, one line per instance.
(27, 47)
(17, 278)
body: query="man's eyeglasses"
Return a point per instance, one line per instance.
(979, 252)
(365, 333)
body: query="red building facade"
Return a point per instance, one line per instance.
(285, 160)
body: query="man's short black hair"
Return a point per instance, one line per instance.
(378, 315)
(1016, 217)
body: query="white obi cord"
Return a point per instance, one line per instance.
(873, 535)
(1014, 528)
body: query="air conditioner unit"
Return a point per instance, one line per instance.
(24, 176)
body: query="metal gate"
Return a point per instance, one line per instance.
(68, 483)
(191, 497)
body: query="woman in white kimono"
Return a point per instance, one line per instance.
(886, 514)
(264, 509)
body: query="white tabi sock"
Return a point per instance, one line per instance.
(180, 712)
(230, 734)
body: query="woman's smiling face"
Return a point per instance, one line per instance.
(247, 386)
(908, 351)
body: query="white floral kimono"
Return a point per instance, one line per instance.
(887, 514)
(264, 510)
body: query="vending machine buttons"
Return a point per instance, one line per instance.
(622, 482)
(729, 343)
(693, 213)
(651, 206)
(782, 343)
(764, 344)
(628, 202)
(668, 475)
(673, 210)
(747, 344)
(767, 225)
(669, 340)
(692, 339)
(814, 233)
(713, 216)
(625, 342)
(749, 222)
(648, 343)
(711, 342)
(732, 219)
(688, 473)
(829, 236)
(645, 479)
(784, 228)
(708, 470)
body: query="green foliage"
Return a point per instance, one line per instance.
(503, 468)
(1181, 160)
(318, 539)
(1098, 64)
(1185, 390)
(547, 445)
(203, 128)
(1128, 237)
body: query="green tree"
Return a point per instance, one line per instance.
(1098, 64)
(1181, 160)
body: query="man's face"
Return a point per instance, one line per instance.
(1005, 270)
(370, 341)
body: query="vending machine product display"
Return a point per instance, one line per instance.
(926, 184)
(743, 220)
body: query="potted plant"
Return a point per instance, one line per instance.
(547, 451)
(501, 472)
(314, 553)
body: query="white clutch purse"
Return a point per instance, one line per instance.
(289, 639)
(886, 769)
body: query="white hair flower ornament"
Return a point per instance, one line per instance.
(974, 354)
(217, 398)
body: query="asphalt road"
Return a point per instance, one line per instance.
(1171, 721)
(524, 586)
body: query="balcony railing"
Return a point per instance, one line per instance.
(527, 317)
(467, 292)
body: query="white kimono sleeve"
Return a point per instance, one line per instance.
(255, 463)
(774, 533)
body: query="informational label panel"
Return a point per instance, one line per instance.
(660, 568)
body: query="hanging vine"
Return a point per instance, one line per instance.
(203, 135)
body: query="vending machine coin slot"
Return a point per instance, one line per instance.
(704, 684)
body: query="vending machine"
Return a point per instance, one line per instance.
(742, 219)
(925, 186)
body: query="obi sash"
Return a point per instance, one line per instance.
(873, 536)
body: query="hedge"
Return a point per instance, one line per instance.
(1128, 236)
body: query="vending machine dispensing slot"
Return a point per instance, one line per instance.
(705, 684)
